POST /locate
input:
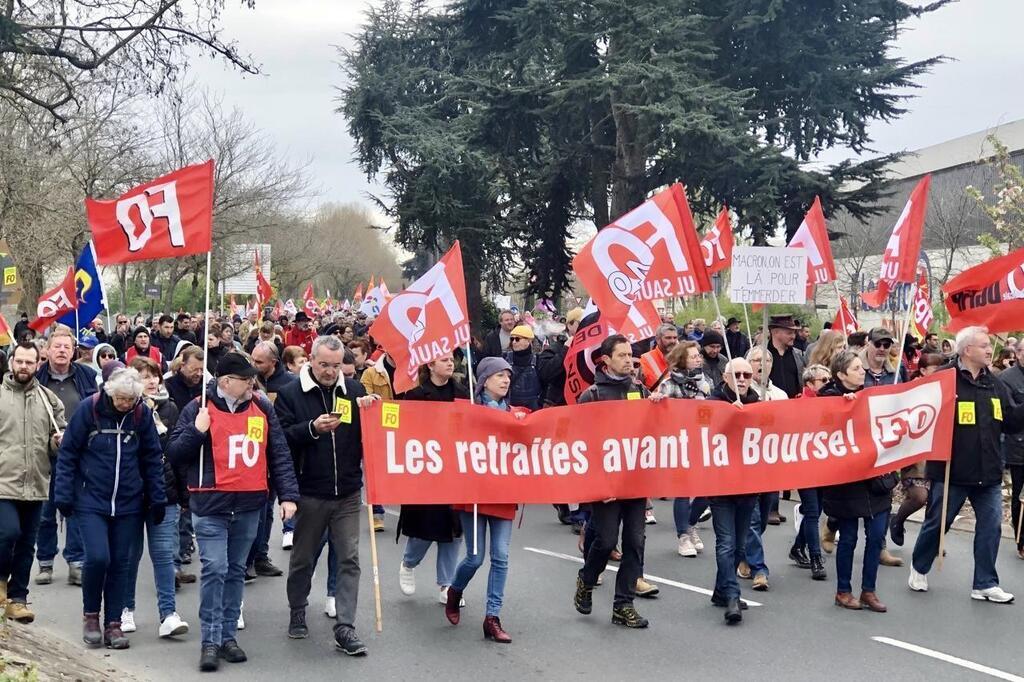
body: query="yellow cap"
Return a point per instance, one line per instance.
(523, 331)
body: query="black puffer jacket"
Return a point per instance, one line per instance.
(436, 522)
(609, 388)
(860, 498)
(166, 412)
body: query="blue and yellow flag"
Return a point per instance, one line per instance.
(92, 299)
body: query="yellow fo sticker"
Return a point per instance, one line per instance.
(997, 409)
(255, 429)
(343, 408)
(389, 415)
(10, 276)
(634, 395)
(966, 415)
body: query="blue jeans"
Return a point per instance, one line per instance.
(875, 528)
(378, 510)
(987, 502)
(754, 549)
(109, 543)
(808, 536)
(163, 545)
(224, 543)
(46, 542)
(501, 536)
(447, 557)
(686, 512)
(332, 564)
(184, 536)
(19, 522)
(261, 547)
(730, 517)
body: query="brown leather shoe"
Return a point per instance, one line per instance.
(19, 611)
(871, 602)
(493, 630)
(847, 601)
(887, 559)
(451, 608)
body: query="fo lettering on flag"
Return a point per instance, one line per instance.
(309, 301)
(650, 253)
(990, 294)
(717, 243)
(56, 302)
(426, 320)
(899, 260)
(169, 217)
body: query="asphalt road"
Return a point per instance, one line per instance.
(796, 634)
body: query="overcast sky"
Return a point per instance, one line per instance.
(295, 98)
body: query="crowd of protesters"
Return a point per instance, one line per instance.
(139, 437)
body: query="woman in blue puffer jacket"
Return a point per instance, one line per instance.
(109, 474)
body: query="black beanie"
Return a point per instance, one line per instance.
(711, 337)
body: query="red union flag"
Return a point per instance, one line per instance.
(264, 292)
(812, 236)
(310, 304)
(990, 294)
(717, 243)
(845, 321)
(426, 320)
(923, 315)
(651, 252)
(59, 300)
(169, 217)
(899, 260)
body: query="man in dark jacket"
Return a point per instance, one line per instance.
(712, 349)
(73, 383)
(730, 514)
(165, 339)
(272, 375)
(613, 381)
(551, 361)
(187, 383)
(738, 342)
(984, 411)
(319, 414)
(183, 328)
(499, 339)
(1013, 443)
(231, 447)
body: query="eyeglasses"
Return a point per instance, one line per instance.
(744, 375)
(106, 355)
(248, 380)
(517, 338)
(883, 344)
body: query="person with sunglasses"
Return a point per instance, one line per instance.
(102, 354)
(879, 366)
(120, 339)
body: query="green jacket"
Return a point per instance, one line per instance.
(25, 433)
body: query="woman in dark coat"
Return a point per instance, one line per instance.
(848, 503)
(424, 524)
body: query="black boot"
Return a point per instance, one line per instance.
(626, 615)
(208, 659)
(799, 556)
(897, 532)
(818, 568)
(297, 624)
(583, 599)
(733, 612)
(721, 602)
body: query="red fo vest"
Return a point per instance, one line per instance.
(239, 449)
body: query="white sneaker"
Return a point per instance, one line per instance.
(995, 594)
(407, 580)
(127, 621)
(241, 617)
(286, 539)
(331, 607)
(918, 582)
(649, 517)
(686, 547)
(443, 598)
(173, 625)
(698, 544)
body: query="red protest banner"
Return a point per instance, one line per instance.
(169, 217)
(717, 243)
(990, 294)
(459, 453)
(426, 320)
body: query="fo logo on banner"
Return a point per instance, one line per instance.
(903, 425)
(167, 208)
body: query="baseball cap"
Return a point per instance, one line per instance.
(880, 334)
(235, 364)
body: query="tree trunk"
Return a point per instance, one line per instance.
(629, 170)
(474, 293)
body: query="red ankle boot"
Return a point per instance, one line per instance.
(451, 608)
(493, 630)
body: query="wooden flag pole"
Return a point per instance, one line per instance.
(903, 342)
(379, 625)
(728, 351)
(764, 348)
(746, 318)
(472, 399)
(206, 350)
(1020, 522)
(945, 509)
(839, 303)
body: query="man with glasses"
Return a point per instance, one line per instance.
(985, 411)
(121, 338)
(320, 417)
(882, 368)
(230, 448)
(526, 390)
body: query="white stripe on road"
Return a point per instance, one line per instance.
(946, 658)
(648, 576)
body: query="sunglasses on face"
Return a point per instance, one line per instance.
(744, 375)
(106, 355)
(517, 338)
(883, 344)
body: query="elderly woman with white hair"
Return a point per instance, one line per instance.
(109, 476)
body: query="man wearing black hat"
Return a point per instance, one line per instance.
(301, 333)
(788, 361)
(230, 448)
(738, 342)
(711, 346)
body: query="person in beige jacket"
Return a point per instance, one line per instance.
(31, 424)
